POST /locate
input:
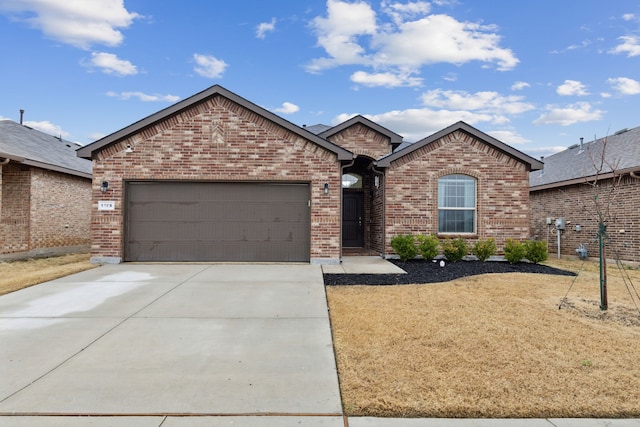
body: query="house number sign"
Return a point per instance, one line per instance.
(106, 205)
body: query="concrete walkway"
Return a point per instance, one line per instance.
(185, 346)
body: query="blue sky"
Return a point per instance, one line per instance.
(537, 75)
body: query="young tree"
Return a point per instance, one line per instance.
(604, 186)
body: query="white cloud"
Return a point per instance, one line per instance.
(630, 45)
(209, 66)
(575, 113)
(384, 79)
(545, 151)
(572, 87)
(508, 137)
(450, 77)
(77, 23)
(401, 11)
(48, 127)
(441, 38)
(629, 17)
(143, 96)
(520, 85)
(111, 64)
(443, 108)
(265, 27)
(338, 33)
(96, 136)
(351, 34)
(418, 123)
(485, 101)
(624, 85)
(287, 108)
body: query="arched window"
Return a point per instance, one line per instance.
(457, 204)
(351, 180)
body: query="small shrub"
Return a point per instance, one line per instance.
(428, 246)
(536, 251)
(514, 251)
(484, 248)
(405, 246)
(455, 249)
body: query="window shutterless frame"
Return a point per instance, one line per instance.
(457, 204)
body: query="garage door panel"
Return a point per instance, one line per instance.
(174, 221)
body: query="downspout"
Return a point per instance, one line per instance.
(342, 168)
(384, 207)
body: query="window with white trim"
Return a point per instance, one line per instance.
(456, 204)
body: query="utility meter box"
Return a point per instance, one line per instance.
(560, 223)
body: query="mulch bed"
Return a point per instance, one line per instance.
(420, 271)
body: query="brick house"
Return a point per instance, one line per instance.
(45, 193)
(607, 168)
(218, 178)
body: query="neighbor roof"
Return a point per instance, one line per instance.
(573, 165)
(87, 151)
(462, 126)
(28, 146)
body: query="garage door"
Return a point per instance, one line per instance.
(206, 221)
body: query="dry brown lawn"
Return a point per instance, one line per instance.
(489, 346)
(16, 275)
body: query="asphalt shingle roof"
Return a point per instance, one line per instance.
(32, 147)
(622, 153)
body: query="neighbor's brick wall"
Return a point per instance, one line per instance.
(217, 140)
(502, 190)
(362, 141)
(60, 209)
(576, 203)
(43, 209)
(14, 210)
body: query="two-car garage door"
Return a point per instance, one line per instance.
(216, 221)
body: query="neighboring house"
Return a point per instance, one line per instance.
(218, 178)
(45, 193)
(591, 177)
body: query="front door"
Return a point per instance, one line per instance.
(353, 219)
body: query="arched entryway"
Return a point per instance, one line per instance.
(362, 209)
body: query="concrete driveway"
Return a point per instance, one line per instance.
(173, 343)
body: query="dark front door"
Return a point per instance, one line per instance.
(353, 219)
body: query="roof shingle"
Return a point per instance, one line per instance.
(621, 153)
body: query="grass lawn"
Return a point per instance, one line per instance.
(494, 345)
(16, 275)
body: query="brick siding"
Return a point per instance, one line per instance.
(43, 209)
(363, 141)
(502, 190)
(217, 140)
(576, 203)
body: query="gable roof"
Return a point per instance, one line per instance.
(394, 138)
(88, 151)
(31, 147)
(573, 165)
(532, 163)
